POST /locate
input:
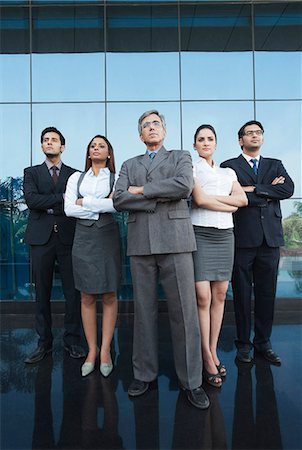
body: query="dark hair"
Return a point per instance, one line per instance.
(202, 127)
(110, 161)
(251, 122)
(53, 130)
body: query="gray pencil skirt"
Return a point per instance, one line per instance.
(213, 260)
(96, 258)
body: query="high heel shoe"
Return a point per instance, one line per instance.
(221, 370)
(87, 368)
(211, 377)
(106, 369)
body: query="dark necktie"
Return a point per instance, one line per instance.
(255, 169)
(54, 174)
(152, 155)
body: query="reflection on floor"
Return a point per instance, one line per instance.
(49, 405)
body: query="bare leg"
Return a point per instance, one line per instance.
(88, 310)
(108, 324)
(203, 293)
(218, 289)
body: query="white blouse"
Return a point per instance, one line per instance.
(94, 190)
(214, 181)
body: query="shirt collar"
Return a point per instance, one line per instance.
(50, 164)
(248, 157)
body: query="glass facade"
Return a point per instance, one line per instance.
(92, 66)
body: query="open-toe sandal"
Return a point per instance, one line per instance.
(221, 370)
(211, 377)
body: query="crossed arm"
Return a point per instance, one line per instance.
(224, 203)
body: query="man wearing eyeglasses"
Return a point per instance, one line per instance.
(258, 237)
(154, 188)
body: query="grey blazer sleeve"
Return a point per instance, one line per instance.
(177, 187)
(124, 201)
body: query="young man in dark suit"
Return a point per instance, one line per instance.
(50, 235)
(258, 237)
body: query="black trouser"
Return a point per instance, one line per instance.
(43, 259)
(258, 266)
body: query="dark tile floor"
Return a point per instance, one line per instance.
(49, 405)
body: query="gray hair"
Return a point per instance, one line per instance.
(148, 113)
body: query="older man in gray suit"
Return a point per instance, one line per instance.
(154, 187)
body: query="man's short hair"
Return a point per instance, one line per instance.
(251, 122)
(53, 130)
(148, 113)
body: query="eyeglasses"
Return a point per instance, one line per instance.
(154, 123)
(251, 132)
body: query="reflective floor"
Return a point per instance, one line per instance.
(50, 406)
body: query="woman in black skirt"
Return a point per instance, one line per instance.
(96, 248)
(216, 195)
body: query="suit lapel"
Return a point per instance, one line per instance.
(161, 156)
(145, 161)
(262, 168)
(62, 178)
(247, 168)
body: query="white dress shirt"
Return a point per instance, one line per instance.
(214, 181)
(248, 158)
(94, 189)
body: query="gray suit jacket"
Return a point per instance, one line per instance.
(159, 221)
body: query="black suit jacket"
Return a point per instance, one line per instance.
(41, 194)
(262, 216)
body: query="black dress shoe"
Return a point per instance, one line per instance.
(198, 398)
(38, 354)
(271, 356)
(137, 387)
(75, 351)
(243, 355)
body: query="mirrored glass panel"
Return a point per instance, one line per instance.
(282, 138)
(290, 267)
(14, 78)
(15, 145)
(68, 29)
(278, 43)
(225, 117)
(68, 77)
(211, 39)
(143, 76)
(142, 59)
(14, 30)
(78, 123)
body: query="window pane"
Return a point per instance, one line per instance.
(151, 28)
(15, 145)
(68, 77)
(14, 30)
(282, 124)
(78, 123)
(225, 117)
(139, 83)
(211, 65)
(290, 267)
(278, 40)
(68, 30)
(14, 78)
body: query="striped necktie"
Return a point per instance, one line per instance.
(255, 168)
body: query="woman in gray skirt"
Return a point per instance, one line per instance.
(216, 195)
(96, 248)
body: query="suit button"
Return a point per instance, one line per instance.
(149, 179)
(262, 217)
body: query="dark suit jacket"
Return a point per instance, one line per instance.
(262, 216)
(41, 194)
